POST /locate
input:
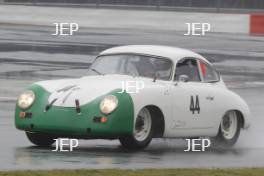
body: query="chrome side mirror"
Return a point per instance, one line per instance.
(184, 78)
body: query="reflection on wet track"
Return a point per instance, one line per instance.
(27, 57)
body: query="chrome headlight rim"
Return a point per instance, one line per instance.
(24, 97)
(108, 104)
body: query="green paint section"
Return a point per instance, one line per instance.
(65, 121)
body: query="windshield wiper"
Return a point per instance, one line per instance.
(96, 71)
(155, 77)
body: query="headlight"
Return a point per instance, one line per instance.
(108, 104)
(26, 99)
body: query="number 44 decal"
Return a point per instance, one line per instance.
(194, 106)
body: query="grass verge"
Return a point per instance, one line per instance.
(141, 172)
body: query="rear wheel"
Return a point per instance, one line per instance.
(142, 134)
(229, 130)
(40, 139)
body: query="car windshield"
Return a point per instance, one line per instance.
(134, 65)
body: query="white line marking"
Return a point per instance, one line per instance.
(8, 98)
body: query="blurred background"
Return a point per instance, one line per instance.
(199, 5)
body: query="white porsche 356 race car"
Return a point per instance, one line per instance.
(181, 95)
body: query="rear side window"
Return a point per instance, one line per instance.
(209, 74)
(188, 67)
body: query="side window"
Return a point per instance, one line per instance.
(188, 67)
(208, 72)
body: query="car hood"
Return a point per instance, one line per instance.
(85, 89)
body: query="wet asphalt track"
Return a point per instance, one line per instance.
(30, 53)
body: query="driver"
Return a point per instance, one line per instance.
(145, 67)
(163, 68)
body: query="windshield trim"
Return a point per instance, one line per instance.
(141, 54)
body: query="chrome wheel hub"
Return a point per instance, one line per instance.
(142, 125)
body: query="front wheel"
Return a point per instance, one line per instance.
(229, 130)
(142, 134)
(40, 139)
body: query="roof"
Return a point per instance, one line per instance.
(173, 53)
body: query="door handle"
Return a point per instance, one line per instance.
(210, 98)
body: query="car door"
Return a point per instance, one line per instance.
(190, 108)
(211, 90)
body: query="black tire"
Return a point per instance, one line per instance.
(222, 142)
(130, 142)
(39, 139)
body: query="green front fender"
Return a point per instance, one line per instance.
(66, 121)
